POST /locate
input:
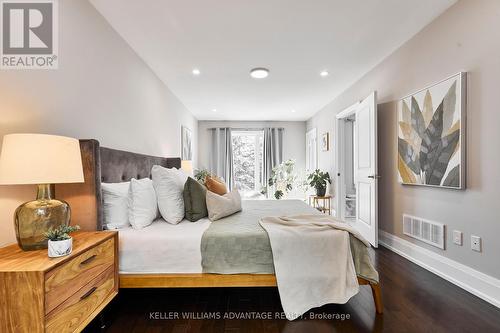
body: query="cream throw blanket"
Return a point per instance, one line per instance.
(312, 261)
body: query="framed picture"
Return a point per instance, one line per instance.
(325, 142)
(431, 135)
(186, 144)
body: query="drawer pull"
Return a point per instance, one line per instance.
(88, 293)
(89, 259)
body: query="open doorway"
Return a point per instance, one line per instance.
(349, 183)
(346, 184)
(357, 196)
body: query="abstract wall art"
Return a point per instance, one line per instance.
(186, 144)
(431, 135)
(325, 141)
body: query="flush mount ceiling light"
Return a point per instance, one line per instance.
(293, 111)
(324, 73)
(214, 110)
(196, 72)
(259, 73)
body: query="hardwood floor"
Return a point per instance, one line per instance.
(415, 300)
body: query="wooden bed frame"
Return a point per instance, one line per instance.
(110, 165)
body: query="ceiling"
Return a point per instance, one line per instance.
(294, 39)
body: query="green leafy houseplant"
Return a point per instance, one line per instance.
(282, 180)
(60, 242)
(60, 233)
(201, 174)
(318, 179)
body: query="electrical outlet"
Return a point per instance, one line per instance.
(475, 243)
(457, 237)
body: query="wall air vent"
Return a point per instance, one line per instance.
(429, 232)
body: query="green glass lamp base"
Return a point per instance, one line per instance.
(32, 219)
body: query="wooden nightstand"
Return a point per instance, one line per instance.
(42, 294)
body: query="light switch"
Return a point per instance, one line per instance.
(457, 237)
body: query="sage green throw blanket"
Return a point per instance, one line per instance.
(238, 244)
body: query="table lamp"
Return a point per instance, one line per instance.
(187, 167)
(42, 160)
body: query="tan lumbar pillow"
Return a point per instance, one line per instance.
(215, 185)
(220, 206)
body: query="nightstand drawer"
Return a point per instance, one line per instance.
(71, 313)
(64, 281)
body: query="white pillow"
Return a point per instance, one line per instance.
(115, 205)
(220, 206)
(169, 185)
(142, 204)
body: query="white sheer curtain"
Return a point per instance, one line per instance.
(221, 155)
(273, 151)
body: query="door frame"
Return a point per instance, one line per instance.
(339, 156)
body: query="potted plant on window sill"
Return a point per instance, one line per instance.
(318, 179)
(60, 242)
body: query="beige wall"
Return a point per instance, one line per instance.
(101, 90)
(464, 38)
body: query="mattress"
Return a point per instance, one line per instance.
(235, 244)
(162, 248)
(238, 244)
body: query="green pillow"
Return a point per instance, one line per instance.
(195, 204)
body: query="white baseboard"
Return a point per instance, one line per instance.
(475, 282)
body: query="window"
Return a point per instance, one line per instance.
(247, 159)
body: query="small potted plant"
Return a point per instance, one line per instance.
(318, 180)
(60, 242)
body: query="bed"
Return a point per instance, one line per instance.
(110, 165)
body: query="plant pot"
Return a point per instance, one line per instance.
(320, 191)
(60, 248)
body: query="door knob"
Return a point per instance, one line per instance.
(375, 177)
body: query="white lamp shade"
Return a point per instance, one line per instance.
(187, 167)
(40, 159)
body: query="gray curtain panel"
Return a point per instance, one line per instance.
(221, 155)
(273, 151)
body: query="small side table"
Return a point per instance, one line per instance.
(323, 204)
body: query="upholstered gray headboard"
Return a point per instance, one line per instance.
(121, 166)
(104, 165)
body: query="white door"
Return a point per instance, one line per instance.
(311, 151)
(365, 171)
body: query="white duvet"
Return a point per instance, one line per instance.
(162, 247)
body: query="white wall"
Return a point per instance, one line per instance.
(464, 38)
(101, 90)
(294, 139)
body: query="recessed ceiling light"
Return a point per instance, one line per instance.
(324, 73)
(196, 71)
(214, 110)
(259, 73)
(293, 111)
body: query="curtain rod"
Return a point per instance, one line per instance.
(244, 129)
